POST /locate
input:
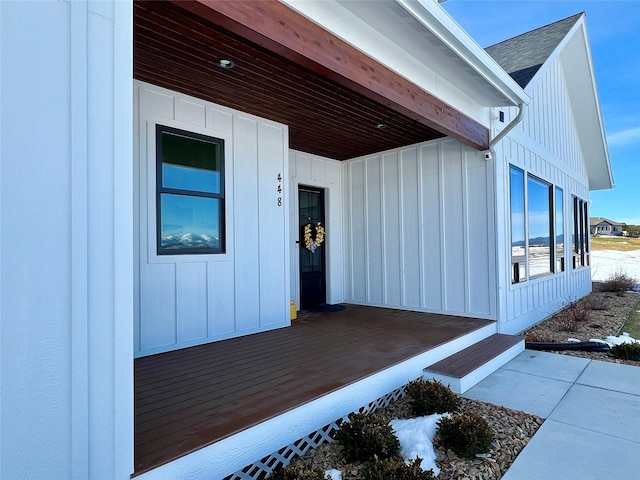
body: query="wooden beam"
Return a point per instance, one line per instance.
(278, 28)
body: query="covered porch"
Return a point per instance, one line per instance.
(191, 398)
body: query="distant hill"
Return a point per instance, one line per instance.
(190, 240)
(538, 241)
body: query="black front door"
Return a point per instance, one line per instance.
(312, 260)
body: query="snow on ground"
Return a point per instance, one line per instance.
(606, 262)
(416, 436)
(619, 340)
(334, 474)
(603, 263)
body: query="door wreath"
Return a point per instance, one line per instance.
(313, 236)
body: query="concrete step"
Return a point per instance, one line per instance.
(464, 369)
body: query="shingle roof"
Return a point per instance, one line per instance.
(522, 56)
(596, 220)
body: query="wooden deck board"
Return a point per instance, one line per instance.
(190, 398)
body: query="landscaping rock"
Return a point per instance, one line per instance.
(601, 324)
(513, 429)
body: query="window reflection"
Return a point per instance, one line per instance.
(516, 192)
(310, 212)
(190, 164)
(190, 192)
(539, 213)
(585, 234)
(188, 178)
(538, 248)
(190, 222)
(580, 233)
(559, 230)
(574, 237)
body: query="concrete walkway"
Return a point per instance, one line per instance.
(591, 411)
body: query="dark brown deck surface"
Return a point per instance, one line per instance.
(467, 360)
(191, 398)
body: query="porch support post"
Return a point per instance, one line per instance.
(276, 27)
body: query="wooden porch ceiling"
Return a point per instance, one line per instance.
(190, 398)
(292, 71)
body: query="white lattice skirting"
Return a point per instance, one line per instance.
(286, 455)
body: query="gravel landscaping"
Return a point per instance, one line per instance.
(513, 429)
(606, 316)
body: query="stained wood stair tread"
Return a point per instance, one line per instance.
(475, 356)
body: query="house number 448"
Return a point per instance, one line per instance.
(279, 190)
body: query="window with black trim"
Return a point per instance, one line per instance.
(559, 230)
(518, 244)
(580, 243)
(539, 214)
(537, 226)
(189, 192)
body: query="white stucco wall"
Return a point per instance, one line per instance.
(66, 239)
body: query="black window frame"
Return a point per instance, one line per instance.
(550, 225)
(585, 232)
(516, 263)
(580, 250)
(559, 256)
(160, 189)
(557, 262)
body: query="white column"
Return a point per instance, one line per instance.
(66, 240)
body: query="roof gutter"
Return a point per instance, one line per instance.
(451, 34)
(440, 23)
(505, 131)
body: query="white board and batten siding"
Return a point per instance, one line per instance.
(545, 144)
(324, 173)
(66, 280)
(185, 300)
(419, 230)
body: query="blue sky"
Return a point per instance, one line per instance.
(614, 35)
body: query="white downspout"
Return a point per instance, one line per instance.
(489, 154)
(506, 130)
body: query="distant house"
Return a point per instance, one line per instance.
(160, 161)
(604, 226)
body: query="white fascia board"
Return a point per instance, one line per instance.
(440, 23)
(577, 64)
(589, 119)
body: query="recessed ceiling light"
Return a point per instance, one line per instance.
(225, 63)
(380, 126)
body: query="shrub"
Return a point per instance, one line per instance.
(626, 351)
(533, 336)
(395, 469)
(619, 282)
(367, 435)
(599, 303)
(297, 472)
(467, 434)
(574, 314)
(427, 397)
